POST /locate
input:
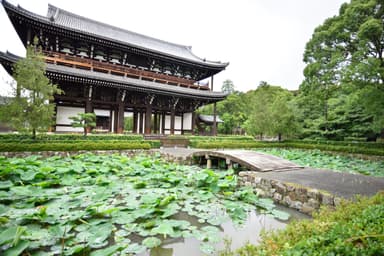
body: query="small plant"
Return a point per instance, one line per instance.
(85, 121)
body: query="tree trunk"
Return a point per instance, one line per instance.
(34, 133)
(279, 136)
(85, 131)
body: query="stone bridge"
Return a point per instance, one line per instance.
(251, 160)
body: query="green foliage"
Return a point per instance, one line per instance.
(30, 109)
(103, 205)
(84, 120)
(345, 147)
(128, 123)
(345, 65)
(354, 228)
(75, 146)
(228, 87)
(10, 137)
(271, 112)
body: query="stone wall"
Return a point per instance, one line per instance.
(303, 199)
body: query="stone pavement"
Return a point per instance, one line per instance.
(340, 184)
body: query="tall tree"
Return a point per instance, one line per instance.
(228, 87)
(269, 111)
(30, 110)
(347, 51)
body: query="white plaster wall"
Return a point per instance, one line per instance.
(128, 114)
(167, 122)
(62, 117)
(177, 122)
(101, 112)
(69, 129)
(187, 122)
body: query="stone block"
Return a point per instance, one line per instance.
(327, 199)
(258, 180)
(296, 205)
(313, 203)
(337, 201)
(277, 197)
(280, 187)
(307, 209)
(242, 174)
(260, 192)
(313, 193)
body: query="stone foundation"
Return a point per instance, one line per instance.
(303, 199)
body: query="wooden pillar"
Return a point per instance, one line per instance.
(193, 122)
(163, 123)
(182, 123)
(120, 118)
(115, 121)
(214, 127)
(155, 123)
(172, 121)
(211, 83)
(148, 115)
(141, 129)
(135, 118)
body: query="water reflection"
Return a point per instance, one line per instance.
(238, 235)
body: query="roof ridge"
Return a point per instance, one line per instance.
(60, 10)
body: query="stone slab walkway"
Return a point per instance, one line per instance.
(340, 184)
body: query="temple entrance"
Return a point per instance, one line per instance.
(102, 123)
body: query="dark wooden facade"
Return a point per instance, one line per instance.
(106, 69)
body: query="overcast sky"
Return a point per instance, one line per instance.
(263, 40)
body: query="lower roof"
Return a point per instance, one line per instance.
(65, 73)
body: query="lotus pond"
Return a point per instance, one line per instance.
(112, 205)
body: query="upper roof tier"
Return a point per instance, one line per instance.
(63, 19)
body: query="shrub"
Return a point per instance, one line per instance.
(354, 228)
(73, 146)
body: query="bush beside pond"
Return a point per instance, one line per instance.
(354, 228)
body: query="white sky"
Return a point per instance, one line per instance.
(263, 40)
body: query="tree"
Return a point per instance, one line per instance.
(346, 53)
(30, 109)
(270, 112)
(228, 87)
(84, 120)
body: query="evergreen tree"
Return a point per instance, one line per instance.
(85, 121)
(31, 110)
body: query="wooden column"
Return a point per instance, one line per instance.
(182, 123)
(148, 115)
(214, 127)
(115, 121)
(88, 100)
(120, 118)
(211, 83)
(163, 123)
(193, 122)
(141, 129)
(135, 118)
(155, 124)
(172, 121)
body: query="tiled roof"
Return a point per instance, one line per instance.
(65, 19)
(209, 119)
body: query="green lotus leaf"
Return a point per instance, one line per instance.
(151, 242)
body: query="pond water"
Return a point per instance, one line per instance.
(238, 235)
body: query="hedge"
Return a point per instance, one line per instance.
(68, 137)
(89, 145)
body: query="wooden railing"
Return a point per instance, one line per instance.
(116, 69)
